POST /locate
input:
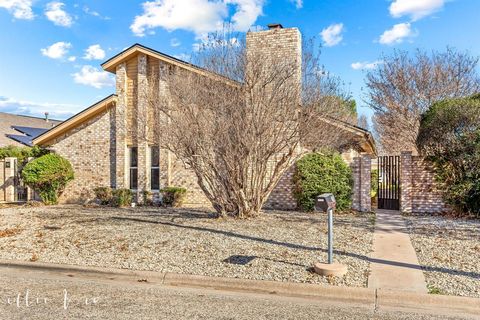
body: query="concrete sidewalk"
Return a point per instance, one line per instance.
(394, 264)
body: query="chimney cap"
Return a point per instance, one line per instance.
(275, 26)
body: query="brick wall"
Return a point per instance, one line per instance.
(282, 196)
(426, 194)
(90, 148)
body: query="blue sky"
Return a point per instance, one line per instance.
(51, 51)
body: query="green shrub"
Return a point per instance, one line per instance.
(374, 183)
(173, 196)
(449, 137)
(22, 153)
(317, 173)
(103, 194)
(48, 175)
(121, 197)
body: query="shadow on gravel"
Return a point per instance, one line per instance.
(474, 275)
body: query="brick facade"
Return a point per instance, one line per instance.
(90, 148)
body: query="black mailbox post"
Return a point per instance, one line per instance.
(326, 203)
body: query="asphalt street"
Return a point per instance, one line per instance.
(34, 295)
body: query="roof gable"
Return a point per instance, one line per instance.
(74, 121)
(111, 64)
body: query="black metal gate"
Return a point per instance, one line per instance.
(389, 182)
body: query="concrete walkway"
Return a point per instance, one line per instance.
(394, 263)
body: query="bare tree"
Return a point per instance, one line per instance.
(404, 86)
(363, 122)
(240, 125)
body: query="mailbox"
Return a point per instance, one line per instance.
(324, 202)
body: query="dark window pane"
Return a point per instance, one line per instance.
(133, 178)
(155, 156)
(133, 157)
(155, 179)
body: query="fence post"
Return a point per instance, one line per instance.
(406, 182)
(10, 172)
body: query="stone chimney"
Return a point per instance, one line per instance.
(46, 116)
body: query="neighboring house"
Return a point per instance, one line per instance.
(102, 141)
(18, 130)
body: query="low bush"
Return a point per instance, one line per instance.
(48, 175)
(147, 198)
(449, 137)
(121, 197)
(321, 172)
(173, 196)
(103, 194)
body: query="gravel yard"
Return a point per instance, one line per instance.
(279, 246)
(449, 251)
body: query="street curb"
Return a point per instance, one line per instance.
(379, 299)
(358, 296)
(432, 303)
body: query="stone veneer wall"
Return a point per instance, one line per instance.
(90, 148)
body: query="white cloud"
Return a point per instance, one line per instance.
(175, 42)
(397, 34)
(21, 9)
(198, 16)
(38, 109)
(94, 13)
(91, 76)
(72, 58)
(332, 35)
(298, 3)
(247, 12)
(55, 13)
(94, 52)
(365, 65)
(416, 9)
(57, 50)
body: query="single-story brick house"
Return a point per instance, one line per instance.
(101, 143)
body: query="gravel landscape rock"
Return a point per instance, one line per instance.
(280, 246)
(449, 251)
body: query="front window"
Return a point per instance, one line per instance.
(133, 166)
(154, 168)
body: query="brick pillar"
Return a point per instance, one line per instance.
(9, 185)
(142, 128)
(406, 181)
(356, 171)
(121, 126)
(165, 156)
(366, 177)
